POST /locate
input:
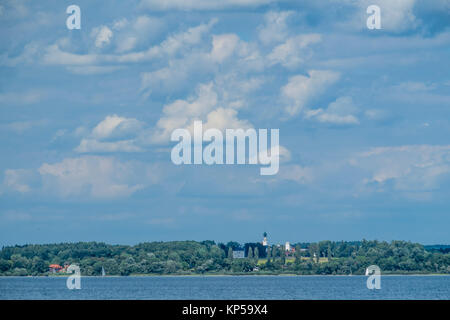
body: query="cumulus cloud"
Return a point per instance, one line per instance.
(408, 168)
(223, 46)
(240, 58)
(275, 27)
(115, 127)
(97, 177)
(300, 89)
(397, 16)
(174, 43)
(17, 180)
(294, 51)
(86, 176)
(138, 32)
(30, 51)
(340, 112)
(113, 134)
(203, 106)
(102, 36)
(166, 79)
(92, 145)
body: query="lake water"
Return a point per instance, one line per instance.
(227, 287)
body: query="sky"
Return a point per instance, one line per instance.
(86, 117)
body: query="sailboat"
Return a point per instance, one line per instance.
(103, 272)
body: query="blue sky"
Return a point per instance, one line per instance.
(86, 116)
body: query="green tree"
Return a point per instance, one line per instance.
(256, 253)
(274, 252)
(250, 253)
(329, 253)
(230, 253)
(311, 250)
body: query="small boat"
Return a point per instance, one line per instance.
(103, 272)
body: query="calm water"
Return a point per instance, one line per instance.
(227, 287)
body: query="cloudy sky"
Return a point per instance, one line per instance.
(86, 117)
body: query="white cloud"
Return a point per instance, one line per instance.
(192, 36)
(378, 114)
(203, 106)
(223, 46)
(30, 51)
(17, 180)
(410, 168)
(396, 16)
(301, 89)
(275, 28)
(97, 177)
(340, 112)
(222, 119)
(126, 44)
(120, 24)
(140, 31)
(294, 51)
(175, 43)
(113, 134)
(167, 79)
(93, 146)
(241, 58)
(180, 113)
(102, 35)
(296, 173)
(115, 127)
(283, 153)
(55, 56)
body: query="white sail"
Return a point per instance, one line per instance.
(103, 271)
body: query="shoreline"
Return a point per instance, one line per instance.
(235, 275)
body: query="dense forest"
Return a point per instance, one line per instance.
(207, 257)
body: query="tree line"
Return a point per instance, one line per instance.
(208, 257)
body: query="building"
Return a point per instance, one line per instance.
(55, 268)
(238, 254)
(264, 242)
(287, 246)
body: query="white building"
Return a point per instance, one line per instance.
(264, 242)
(287, 246)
